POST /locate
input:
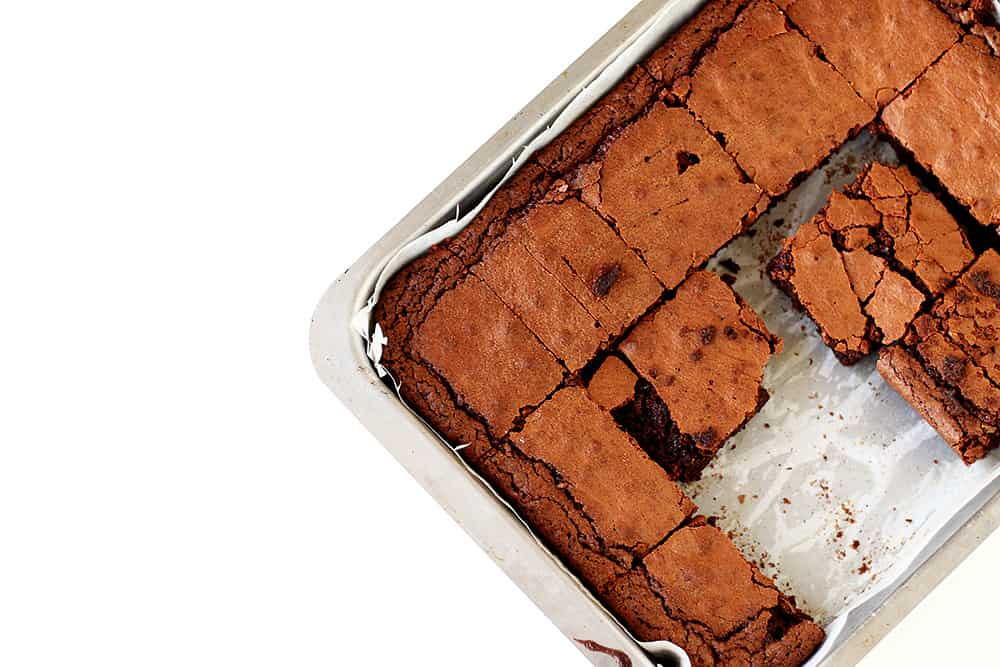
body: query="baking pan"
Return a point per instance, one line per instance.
(339, 355)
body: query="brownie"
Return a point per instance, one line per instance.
(671, 191)
(625, 498)
(949, 121)
(700, 360)
(581, 250)
(508, 338)
(864, 265)
(613, 384)
(494, 364)
(698, 592)
(948, 365)
(880, 46)
(777, 107)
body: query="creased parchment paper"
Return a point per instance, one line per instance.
(837, 488)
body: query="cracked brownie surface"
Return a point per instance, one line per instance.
(698, 590)
(950, 121)
(880, 46)
(671, 191)
(947, 365)
(495, 364)
(568, 339)
(778, 109)
(864, 266)
(702, 355)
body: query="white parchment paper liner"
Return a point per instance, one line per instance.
(837, 489)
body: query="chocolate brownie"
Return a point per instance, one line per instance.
(624, 497)
(880, 46)
(701, 358)
(671, 191)
(948, 365)
(950, 121)
(698, 592)
(613, 384)
(494, 364)
(579, 248)
(863, 266)
(777, 107)
(492, 333)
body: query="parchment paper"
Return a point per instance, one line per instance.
(837, 489)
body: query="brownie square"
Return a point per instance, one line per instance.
(880, 46)
(863, 266)
(493, 363)
(581, 250)
(950, 121)
(948, 365)
(701, 358)
(537, 297)
(778, 108)
(671, 191)
(697, 591)
(625, 497)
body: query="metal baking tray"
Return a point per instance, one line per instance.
(339, 356)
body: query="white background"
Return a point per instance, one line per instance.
(178, 184)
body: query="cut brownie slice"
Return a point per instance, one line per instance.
(950, 121)
(552, 312)
(863, 267)
(623, 500)
(880, 46)
(778, 108)
(948, 365)
(701, 358)
(698, 592)
(589, 259)
(492, 362)
(671, 191)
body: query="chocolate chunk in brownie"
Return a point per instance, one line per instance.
(948, 365)
(778, 108)
(948, 120)
(579, 248)
(880, 46)
(625, 499)
(698, 592)
(492, 362)
(863, 266)
(701, 358)
(671, 191)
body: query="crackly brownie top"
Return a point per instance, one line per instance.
(704, 351)
(950, 120)
(494, 363)
(625, 494)
(697, 589)
(579, 248)
(864, 266)
(880, 46)
(671, 191)
(947, 365)
(613, 384)
(970, 314)
(778, 107)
